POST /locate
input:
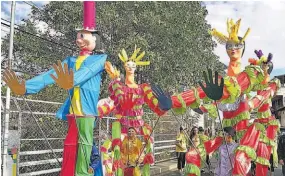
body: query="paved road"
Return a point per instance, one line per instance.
(278, 171)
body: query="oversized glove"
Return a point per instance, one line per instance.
(213, 90)
(165, 102)
(112, 72)
(64, 76)
(16, 85)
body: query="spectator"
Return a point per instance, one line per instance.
(281, 152)
(207, 132)
(181, 150)
(203, 138)
(273, 160)
(224, 167)
(131, 153)
(210, 133)
(194, 137)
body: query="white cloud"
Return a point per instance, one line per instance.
(22, 11)
(5, 16)
(266, 20)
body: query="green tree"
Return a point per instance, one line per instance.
(173, 34)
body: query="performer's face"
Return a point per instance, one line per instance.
(130, 67)
(234, 50)
(229, 138)
(132, 132)
(85, 40)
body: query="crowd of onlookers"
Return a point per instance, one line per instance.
(198, 135)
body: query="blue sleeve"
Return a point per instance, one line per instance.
(39, 82)
(90, 69)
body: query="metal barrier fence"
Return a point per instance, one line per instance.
(34, 156)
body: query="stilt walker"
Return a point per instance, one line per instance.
(81, 76)
(128, 99)
(234, 101)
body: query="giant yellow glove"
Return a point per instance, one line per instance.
(112, 72)
(16, 85)
(64, 78)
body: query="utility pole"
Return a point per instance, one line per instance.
(8, 93)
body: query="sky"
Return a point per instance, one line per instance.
(267, 24)
(264, 18)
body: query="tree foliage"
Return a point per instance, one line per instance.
(173, 34)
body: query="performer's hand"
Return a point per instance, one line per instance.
(281, 162)
(64, 77)
(112, 72)
(18, 86)
(213, 90)
(165, 102)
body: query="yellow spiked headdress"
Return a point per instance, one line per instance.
(232, 29)
(124, 57)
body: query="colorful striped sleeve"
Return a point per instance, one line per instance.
(151, 101)
(116, 90)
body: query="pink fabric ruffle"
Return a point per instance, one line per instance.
(132, 122)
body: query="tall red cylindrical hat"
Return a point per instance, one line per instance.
(89, 16)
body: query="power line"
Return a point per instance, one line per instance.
(60, 44)
(32, 5)
(38, 8)
(8, 22)
(44, 53)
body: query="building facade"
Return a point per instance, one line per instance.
(278, 101)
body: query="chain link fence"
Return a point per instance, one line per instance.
(35, 157)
